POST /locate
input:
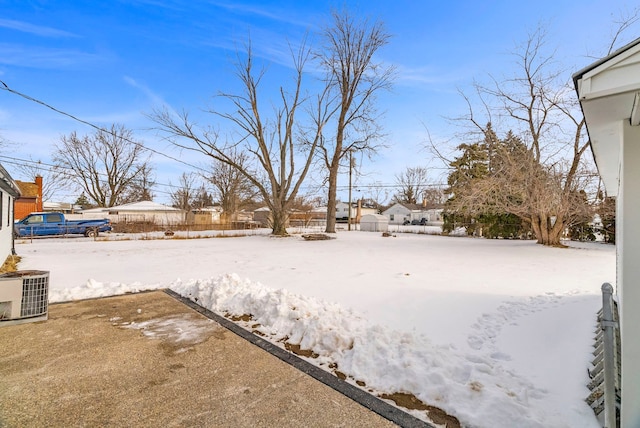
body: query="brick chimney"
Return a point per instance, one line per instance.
(39, 206)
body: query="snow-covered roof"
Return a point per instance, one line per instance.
(52, 206)
(215, 208)
(136, 207)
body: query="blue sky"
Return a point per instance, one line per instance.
(115, 61)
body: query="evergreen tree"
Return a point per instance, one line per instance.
(484, 216)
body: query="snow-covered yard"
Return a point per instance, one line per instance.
(497, 333)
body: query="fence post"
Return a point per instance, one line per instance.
(608, 325)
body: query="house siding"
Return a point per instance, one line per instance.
(397, 214)
(8, 192)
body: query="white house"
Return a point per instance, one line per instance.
(609, 93)
(399, 213)
(9, 191)
(357, 211)
(145, 211)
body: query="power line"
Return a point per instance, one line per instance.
(69, 171)
(5, 87)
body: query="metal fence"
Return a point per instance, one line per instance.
(606, 372)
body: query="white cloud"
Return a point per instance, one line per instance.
(23, 56)
(38, 30)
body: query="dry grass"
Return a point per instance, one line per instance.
(10, 264)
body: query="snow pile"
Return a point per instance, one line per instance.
(93, 289)
(475, 389)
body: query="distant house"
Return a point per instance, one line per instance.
(30, 199)
(9, 192)
(137, 212)
(399, 213)
(357, 211)
(207, 215)
(309, 217)
(61, 207)
(262, 215)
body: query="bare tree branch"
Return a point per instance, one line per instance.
(104, 165)
(355, 79)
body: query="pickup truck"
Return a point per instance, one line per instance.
(52, 223)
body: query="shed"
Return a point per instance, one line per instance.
(374, 223)
(609, 94)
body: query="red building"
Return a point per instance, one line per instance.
(30, 199)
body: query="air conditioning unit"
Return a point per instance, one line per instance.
(24, 296)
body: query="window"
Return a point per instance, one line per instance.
(54, 218)
(1, 208)
(391, 217)
(34, 219)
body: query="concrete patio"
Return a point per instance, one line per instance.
(151, 360)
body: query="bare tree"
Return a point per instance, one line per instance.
(184, 193)
(275, 147)
(539, 183)
(412, 184)
(202, 198)
(102, 165)
(521, 185)
(50, 174)
(141, 187)
(377, 195)
(230, 186)
(434, 196)
(355, 79)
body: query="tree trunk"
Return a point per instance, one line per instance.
(546, 233)
(279, 220)
(331, 201)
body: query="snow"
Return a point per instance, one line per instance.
(496, 332)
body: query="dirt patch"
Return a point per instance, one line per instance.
(236, 318)
(298, 351)
(411, 402)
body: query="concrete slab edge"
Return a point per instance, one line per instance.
(371, 402)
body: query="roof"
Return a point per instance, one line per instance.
(28, 190)
(141, 206)
(415, 207)
(609, 91)
(8, 184)
(50, 206)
